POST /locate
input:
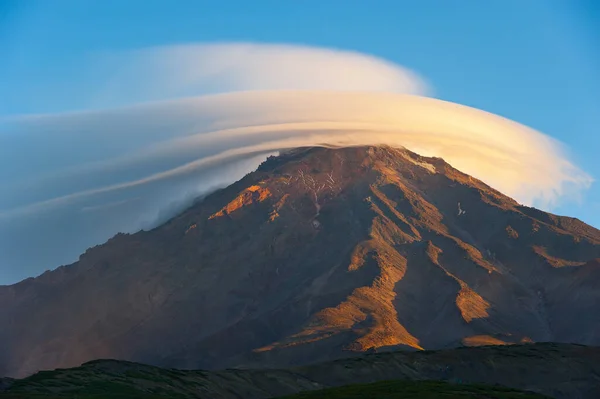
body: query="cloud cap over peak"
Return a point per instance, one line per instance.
(160, 126)
(120, 170)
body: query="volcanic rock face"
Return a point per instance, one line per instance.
(319, 254)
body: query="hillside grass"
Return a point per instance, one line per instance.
(415, 390)
(398, 389)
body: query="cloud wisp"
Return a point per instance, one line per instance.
(115, 79)
(72, 180)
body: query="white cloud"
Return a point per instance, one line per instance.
(169, 72)
(72, 180)
(127, 165)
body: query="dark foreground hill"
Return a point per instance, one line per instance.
(399, 389)
(555, 370)
(320, 254)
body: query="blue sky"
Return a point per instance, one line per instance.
(533, 61)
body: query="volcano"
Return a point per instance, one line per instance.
(321, 253)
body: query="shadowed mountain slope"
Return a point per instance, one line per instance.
(320, 254)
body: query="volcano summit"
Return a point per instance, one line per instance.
(319, 254)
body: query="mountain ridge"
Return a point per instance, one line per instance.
(555, 370)
(318, 254)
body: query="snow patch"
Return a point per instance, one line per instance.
(424, 165)
(460, 210)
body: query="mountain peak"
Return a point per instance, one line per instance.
(319, 254)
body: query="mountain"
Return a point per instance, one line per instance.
(319, 254)
(554, 370)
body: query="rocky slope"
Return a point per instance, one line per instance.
(554, 370)
(320, 254)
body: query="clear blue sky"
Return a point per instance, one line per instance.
(534, 61)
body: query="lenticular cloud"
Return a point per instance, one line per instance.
(70, 181)
(169, 72)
